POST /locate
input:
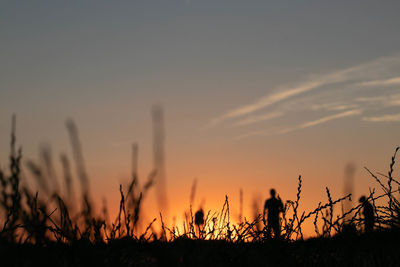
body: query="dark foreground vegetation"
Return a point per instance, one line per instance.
(377, 249)
(48, 227)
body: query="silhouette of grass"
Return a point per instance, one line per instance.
(31, 221)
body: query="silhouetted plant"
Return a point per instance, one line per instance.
(29, 217)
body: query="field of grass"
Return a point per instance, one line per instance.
(377, 249)
(47, 227)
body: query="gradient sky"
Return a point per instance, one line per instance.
(254, 92)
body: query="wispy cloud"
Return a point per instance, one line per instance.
(259, 118)
(385, 101)
(335, 106)
(267, 101)
(331, 117)
(348, 113)
(384, 82)
(369, 88)
(304, 125)
(383, 118)
(354, 74)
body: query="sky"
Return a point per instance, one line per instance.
(254, 93)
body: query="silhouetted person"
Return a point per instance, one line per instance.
(274, 206)
(199, 217)
(199, 220)
(369, 216)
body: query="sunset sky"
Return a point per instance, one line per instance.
(254, 93)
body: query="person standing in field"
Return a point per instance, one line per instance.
(199, 221)
(274, 207)
(369, 216)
